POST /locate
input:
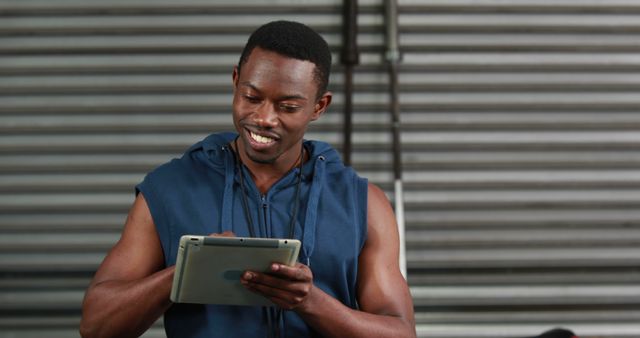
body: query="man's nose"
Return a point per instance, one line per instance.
(266, 115)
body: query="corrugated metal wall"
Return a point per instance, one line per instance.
(521, 125)
(521, 136)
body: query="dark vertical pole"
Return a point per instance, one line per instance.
(349, 58)
(393, 58)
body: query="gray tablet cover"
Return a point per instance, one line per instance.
(208, 269)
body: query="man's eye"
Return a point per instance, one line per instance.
(252, 99)
(289, 108)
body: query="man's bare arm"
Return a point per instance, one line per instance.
(130, 290)
(386, 308)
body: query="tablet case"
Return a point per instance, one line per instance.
(208, 269)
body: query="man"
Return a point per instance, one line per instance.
(266, 181)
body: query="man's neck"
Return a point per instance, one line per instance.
(265, 175)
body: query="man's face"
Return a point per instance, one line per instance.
(274, 100)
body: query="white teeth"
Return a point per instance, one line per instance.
(261, 139)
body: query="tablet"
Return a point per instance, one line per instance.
(208, 269)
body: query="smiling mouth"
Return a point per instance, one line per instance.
(261, 139)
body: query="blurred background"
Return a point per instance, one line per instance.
(520, 132)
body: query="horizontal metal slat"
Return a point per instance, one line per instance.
(44, 300)
(499, 205)
(41, 322)
(43, 282)
(560, 41)
(509, 81)
(519, 62)
(71, 332)
(533, 317)
(60, 262)
(550, 199)
(120, 7)
(512, 120)
(533, 99)
(519, 22)
(68, 183)
(122, 84)
(60, 222)
(82, 163)
(514, 218)
(500, 330)
(510, 169)
(61, 325)
(102, 202)
(526, 295)
(594, 138)
(543, 238)
(45, 102)
(47, 242)
(520, 6)
(579, 178)
(60, 321)
(173, 142)
(510, 276)
(546, 195)
(159, 63)
(523, 258)
(115, 124)
(240, 24)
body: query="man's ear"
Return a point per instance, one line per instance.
(321, 105)
(235, 76)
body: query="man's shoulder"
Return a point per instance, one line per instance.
(325, 152)
(332, 159)
(217, 140)
(207, 152)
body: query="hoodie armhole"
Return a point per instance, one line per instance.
(361, 202)
(158, 215)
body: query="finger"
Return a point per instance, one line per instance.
(299, 272)
(274, 282)
(281, 292)
(227, 233)
(287, 303)
(281, 298)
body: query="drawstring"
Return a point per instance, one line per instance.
(227, 199)
(308, 235)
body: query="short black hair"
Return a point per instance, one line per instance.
(295, 40)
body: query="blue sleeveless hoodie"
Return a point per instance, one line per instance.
(200, 194)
